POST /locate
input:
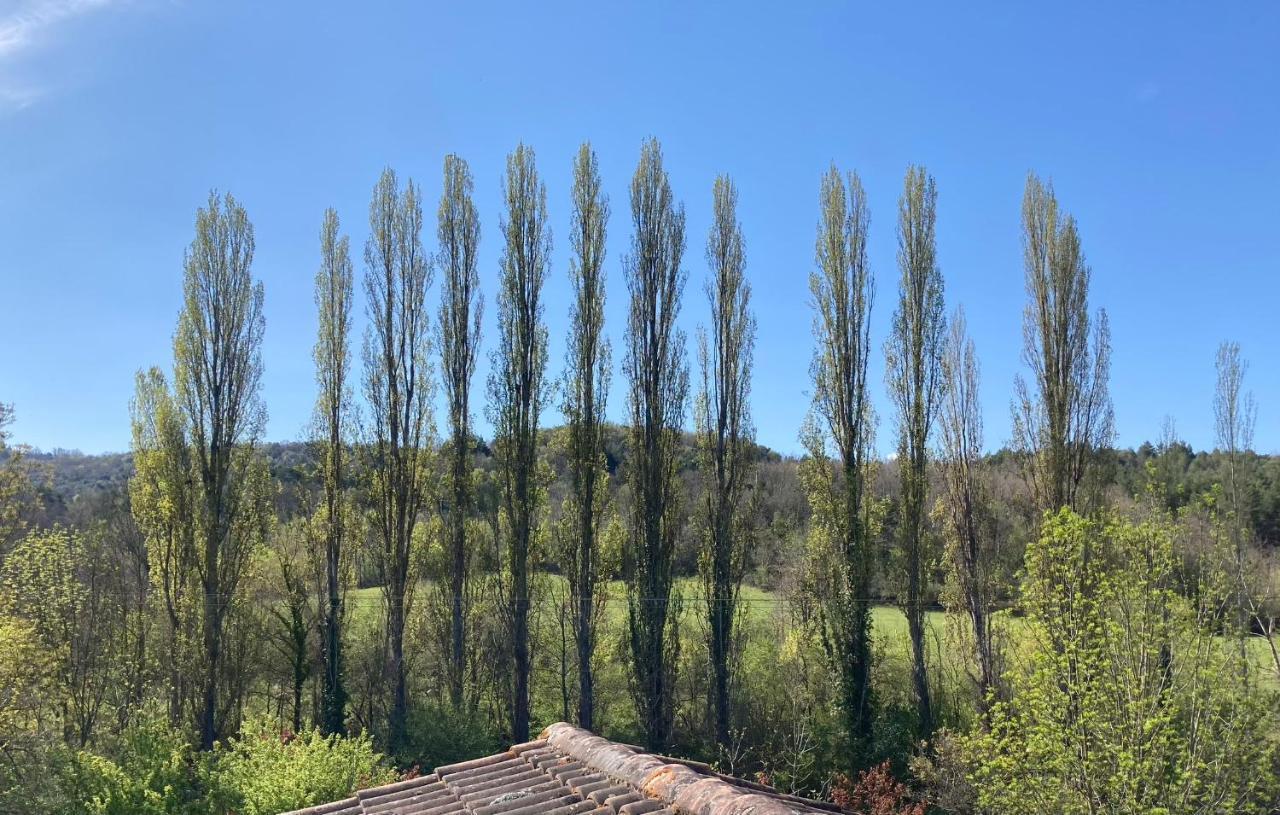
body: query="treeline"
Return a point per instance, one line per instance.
(546, 572)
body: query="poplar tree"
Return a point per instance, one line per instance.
(1235, 416)
(966, 511)
(461, 307)
(217, 379)
(586, 391)
(332, 418)
(1063, 420)
(914, 362)
(398, 388)
(162, 498)
(518, 393)
(841, 530)
(658, 379)
(726, 439)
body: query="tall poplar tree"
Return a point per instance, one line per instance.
(914, 362)
(332, 416)
(658, 378)
(518, 393)
(218, 379)
(968, 523)
(1063, 421)
(841, 292)
(461, 307)
(586, 391)
(726, 438)
(398, 388)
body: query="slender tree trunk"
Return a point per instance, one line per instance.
(520, 649)
(212, 655)
(395, 670)
(586, 685)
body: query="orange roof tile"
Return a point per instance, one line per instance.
(570, 771)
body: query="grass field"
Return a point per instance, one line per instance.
(766, 619)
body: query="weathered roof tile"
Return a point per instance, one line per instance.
(569, 771)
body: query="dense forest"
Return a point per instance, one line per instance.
(213, 622)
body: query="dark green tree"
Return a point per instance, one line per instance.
(658, 378)
(726, 439)
(518, 392)
(461, 308)
(841, 529)
(586, 392)
(333, 422)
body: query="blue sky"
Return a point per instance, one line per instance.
(1159, 125)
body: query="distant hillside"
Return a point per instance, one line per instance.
(1182, 473)
(70, 473)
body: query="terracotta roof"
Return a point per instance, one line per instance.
(569, 771)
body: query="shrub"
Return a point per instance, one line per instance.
(268, 771)
(155, 771)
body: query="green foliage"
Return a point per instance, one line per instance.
(658, 379)
(1127, 702)
(153, 770)
(439, 735)
(269, 772)
(837, 490)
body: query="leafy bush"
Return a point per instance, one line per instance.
(155, 771)
(268, 771)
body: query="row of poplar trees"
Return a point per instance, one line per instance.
(201, 493)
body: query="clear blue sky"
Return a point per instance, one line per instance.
(1159, 124)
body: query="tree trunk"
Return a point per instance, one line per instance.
(520, 647)
(213, 659)
(457, 661)
(395, 668)
(586, 685)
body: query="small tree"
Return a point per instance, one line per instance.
(1126, 702)
(17, 491)
(965, 510)
(162, 496)
(1063, 421)
(291, 607)
(725, 439)
(659, 383)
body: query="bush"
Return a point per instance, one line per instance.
(155, 771)
(267, 771)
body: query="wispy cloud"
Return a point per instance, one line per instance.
(33, 24)
(34, 20)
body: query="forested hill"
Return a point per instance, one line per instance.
(1182, 473)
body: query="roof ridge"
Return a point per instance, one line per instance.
(680, 786)
(571, 771)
